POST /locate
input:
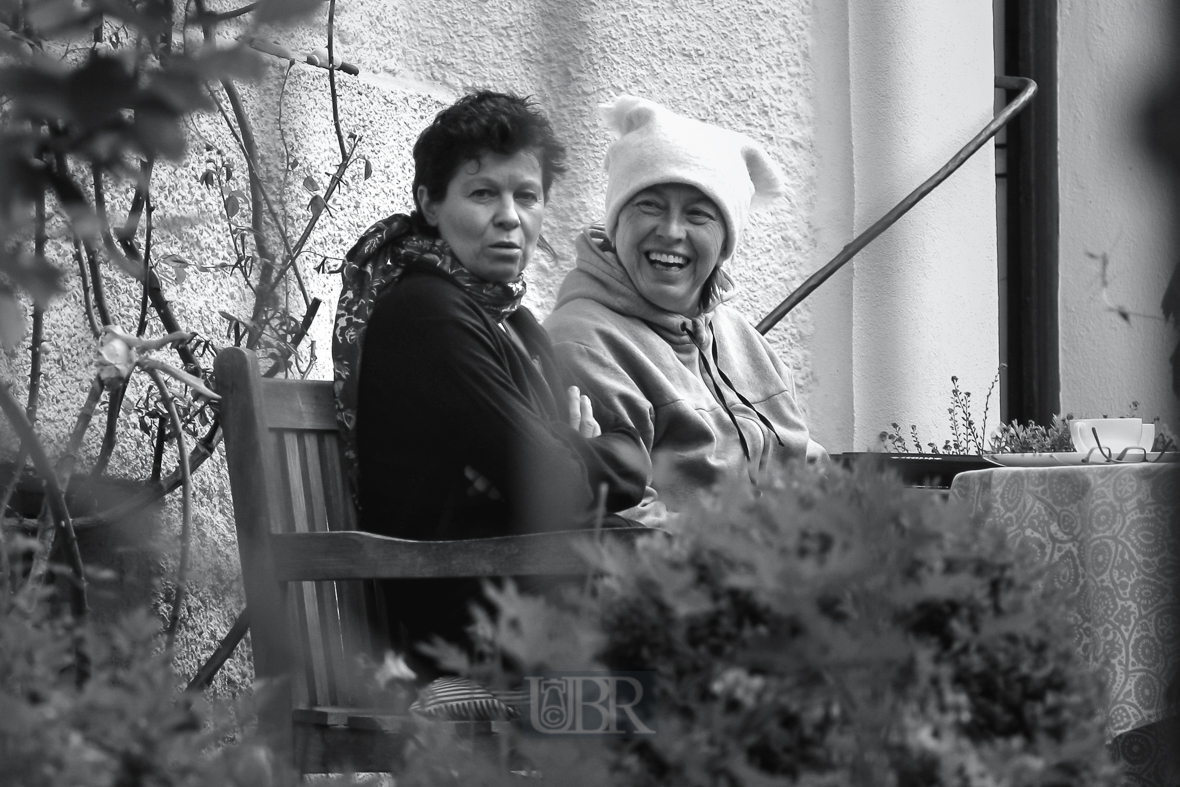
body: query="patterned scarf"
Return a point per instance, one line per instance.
(375, 262)
(389, 246)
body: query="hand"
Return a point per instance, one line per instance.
(582, 413)
(480, 485)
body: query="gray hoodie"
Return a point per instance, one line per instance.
(679, 381)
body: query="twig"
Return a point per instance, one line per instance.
(84, 277)
(55, 499)
(285, 354)
(114, 408)
(67, 192)
(211, 18)
(270, 208)
(224, 650)
(332, 80)
(158, 452)
(201, 452)
(35, 350)
(186, 506)
(141, 325)
(250, 149)
(139, 202)
(286, 148)
(18, 469)
(337, 178)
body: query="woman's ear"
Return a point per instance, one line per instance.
(429, 207)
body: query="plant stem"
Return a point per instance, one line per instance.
(186, 506)
(332, 81)
(55, 498)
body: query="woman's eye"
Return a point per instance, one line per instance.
(700, 216)
(482, 193)
(648, 206)
(528, 198)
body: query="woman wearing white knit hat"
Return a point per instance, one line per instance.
(643, 319)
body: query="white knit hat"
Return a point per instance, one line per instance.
(655, 145)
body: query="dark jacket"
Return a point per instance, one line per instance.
(443, 388)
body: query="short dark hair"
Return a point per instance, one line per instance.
(479, 123)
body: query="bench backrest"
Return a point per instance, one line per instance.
(286, 474)
(312, 606)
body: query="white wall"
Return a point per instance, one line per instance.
(1114, 207)
(924, 293)
(742, 64)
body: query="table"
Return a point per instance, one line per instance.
(1111, 536)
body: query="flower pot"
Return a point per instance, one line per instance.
(922, 470)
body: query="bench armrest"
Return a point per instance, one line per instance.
(359, 555)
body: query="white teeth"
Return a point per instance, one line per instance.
(667, 259)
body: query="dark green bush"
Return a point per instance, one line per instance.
(99, 706)
(836, 628)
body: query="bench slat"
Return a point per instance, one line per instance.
(319, 689)
(299, 404)
(339, 666)
(357, 555)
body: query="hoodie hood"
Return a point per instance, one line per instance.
(600, 277)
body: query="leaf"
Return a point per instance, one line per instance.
(37, 276)
(310, 184)
(208, 179)
(236, 320)
(368, 169)
(317, 205)
(231, 206)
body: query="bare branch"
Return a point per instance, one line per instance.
(332, 81)
(186, 507)
(54, 497)
(210, 18)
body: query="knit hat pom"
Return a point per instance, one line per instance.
(654, 145)
(765, 174)
(625, 114)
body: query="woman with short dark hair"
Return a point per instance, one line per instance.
(463, 426)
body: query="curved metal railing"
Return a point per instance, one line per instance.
(1027, 89)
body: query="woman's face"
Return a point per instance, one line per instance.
(491, 214)
(669, 239)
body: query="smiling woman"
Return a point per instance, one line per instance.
(643, 322)
(450, 400)
(669, 241)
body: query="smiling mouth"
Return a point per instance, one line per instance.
(665, 261)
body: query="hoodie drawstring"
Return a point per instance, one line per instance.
(725, 379)
(725, 405)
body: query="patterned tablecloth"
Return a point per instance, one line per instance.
(1110, 534)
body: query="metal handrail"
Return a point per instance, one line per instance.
(1027, 88)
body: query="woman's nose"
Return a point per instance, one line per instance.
(672, 225)
(506, 215)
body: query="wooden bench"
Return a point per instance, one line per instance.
(308, 572)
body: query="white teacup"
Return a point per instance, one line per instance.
(1115, 434)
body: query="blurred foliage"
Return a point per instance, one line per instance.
(97, 706)
(835, 629)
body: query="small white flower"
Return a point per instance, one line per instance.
(117, 357)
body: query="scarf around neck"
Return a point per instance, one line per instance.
(390, 246)
(377, 260)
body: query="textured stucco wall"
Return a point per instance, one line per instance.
(740, 64)
(1114, 205)
(924, 293)
(858, 101)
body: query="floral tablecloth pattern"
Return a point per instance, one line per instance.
(1111, 538)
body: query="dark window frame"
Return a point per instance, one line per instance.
(1032, 350)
